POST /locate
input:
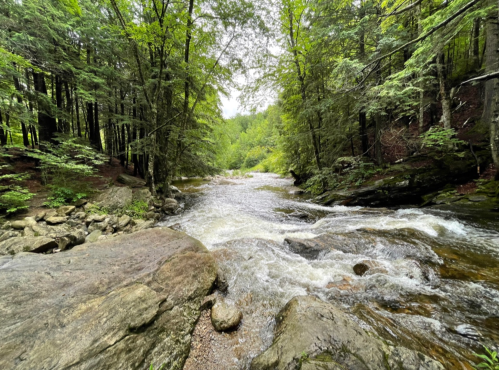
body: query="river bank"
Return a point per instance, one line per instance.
(409, 277)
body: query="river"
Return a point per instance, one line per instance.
(436, 289)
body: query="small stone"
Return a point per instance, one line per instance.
(65, 210)
(87, 207)
(56, 220)
(221, 282)
(208, 302)
(123, 221)
(28, 231)
(40, 215)
(225, 317)
(8, 234)
(80, 215)
(174, 189)
(7, 225)
(39, 230)
(81, 202)
(93, 236)
(131, 181)
(50, 213)
(21, 224)
(95, 218)
(26, 244)
(369, 267)
(143, 225)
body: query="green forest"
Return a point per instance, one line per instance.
(83, 82)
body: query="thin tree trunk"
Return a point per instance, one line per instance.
(491, 65)
(20, 101)
(47, 125)
(3, 136)
(77, 108)
(444, 94)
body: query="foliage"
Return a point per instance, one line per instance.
(15, 199)
(159, 368)
(136, 209)
(66, 162)
(61, 196)
(441, 139)
(491, 361)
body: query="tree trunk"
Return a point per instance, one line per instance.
(421, 84)
(444, 94)
(301, 80)
(363, 132)
(97, 139)
(492, 60)
(491, 65)
(20, 101)
(47, 126)
(3, 134)
(77, 108)
(475, 45)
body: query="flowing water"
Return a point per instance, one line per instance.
(435, 287)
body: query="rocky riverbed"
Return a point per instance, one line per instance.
(280, 283)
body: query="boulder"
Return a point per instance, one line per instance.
(143, 225)
(312, 334)
(222, 283)
(22, 224)
(170, 206)
(208, 302)
(142, 195)
(122, 303)
(65, 210)
(225, 317)
(40, 215)
(174, 189)
(308, 248)
(115, 198)
(369, 267)
(56, 220)
(133, 182)
(26, 244)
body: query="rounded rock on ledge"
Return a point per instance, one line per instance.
(225, 317)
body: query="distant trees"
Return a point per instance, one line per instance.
(138, 80)
(350, 70)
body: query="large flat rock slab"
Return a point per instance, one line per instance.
(122, 303)
(312, 334)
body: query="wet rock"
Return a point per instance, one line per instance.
(21, 224)
(308, 248)
(176, 227)
(225, 317)
(369, 267)
(122, 303)
(93, 236)
(28, 231)
(115, 198)
(170, 206)
(123, 221)
(133, 182)
(65, 210)
(151, 215)
(7, 225)
(221, 282)
(56, 220)
(477, 198)
(26, 244)
(318, 335)
(300, 215)
(98, 226)
(174, 189)
(208, 302)
(467, 331)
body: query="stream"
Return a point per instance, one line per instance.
(436, 288)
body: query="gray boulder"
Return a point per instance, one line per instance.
(122, 303)
(115, 198)
(312, 334)
(170, 206)
(123, 221)
(142, 195)
(225, 317)
(133, 182)
(21, 224)
(26, 244)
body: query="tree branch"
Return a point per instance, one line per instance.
(486, 77)
(427, 34)
(408, 7)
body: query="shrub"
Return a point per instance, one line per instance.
(441, 139)
(61, 196)
(13, 196)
